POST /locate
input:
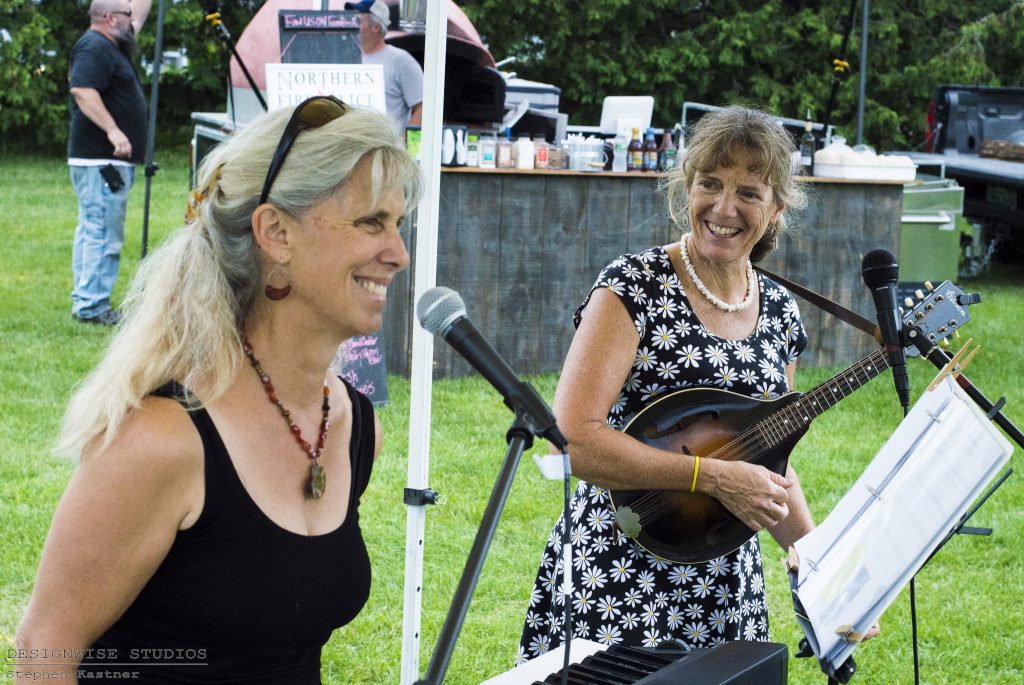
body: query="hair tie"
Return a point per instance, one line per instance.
(196, 198)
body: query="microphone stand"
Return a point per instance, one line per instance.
(154, 98)
(519, 438)
(930, 351)
(214, 19)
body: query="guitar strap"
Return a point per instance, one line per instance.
(834, 308)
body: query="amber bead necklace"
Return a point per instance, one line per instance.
(317, 475)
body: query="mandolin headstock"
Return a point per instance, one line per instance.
(936, 315)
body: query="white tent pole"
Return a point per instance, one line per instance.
(421, 379)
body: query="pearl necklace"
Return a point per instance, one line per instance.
(703, 289)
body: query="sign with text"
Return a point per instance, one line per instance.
(356, 84)
(324, 36)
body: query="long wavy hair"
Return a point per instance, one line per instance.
(189, 297)
(714, 142)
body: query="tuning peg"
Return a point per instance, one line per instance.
(956, 334)
(909, 302)
(920, 295)
(944, 342)
(929, 286)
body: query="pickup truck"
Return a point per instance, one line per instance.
(962, 118)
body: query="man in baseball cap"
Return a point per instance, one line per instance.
(403, 76)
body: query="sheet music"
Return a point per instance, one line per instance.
(914, 491)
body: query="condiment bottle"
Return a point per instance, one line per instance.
(666, 153)
(635, 153)
(650, 152)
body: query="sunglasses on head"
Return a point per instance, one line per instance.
(311, 113)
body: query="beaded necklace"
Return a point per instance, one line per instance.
(703, 289)
(317, 475)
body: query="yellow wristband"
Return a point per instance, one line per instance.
(696, 468)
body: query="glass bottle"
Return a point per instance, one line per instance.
(666, 153)
(807, 145)
(635, 153)
(650, 158)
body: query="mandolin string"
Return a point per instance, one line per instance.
(652, 505)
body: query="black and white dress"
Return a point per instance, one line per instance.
(624, 594)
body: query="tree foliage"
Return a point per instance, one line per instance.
(776, 54)
(36, 41)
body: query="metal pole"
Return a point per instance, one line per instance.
(154, 97)
(421, 375)
(863, 72)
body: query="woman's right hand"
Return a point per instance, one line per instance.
(755, 495)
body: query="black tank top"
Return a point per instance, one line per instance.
(238, 599)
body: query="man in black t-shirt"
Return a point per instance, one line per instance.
(108, 128)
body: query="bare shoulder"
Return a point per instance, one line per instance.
(156, 456)
(115, 523)
(159, 434)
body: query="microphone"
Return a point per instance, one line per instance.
(881, 273)
(441, 311)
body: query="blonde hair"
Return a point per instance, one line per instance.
(189, 297)
(714, 142)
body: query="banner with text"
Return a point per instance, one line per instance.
(356, 84)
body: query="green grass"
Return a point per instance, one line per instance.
(967, 595)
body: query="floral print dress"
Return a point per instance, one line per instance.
(622, 593)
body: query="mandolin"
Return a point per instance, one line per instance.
(686, 527)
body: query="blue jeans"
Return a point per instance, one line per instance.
(96, 254)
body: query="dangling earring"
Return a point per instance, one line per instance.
(278, 293)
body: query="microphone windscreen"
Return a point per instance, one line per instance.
(879, 268)
(438, 308)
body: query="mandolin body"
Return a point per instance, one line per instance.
(689, 527)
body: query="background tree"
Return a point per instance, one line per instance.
(36, 37)
(776, 54)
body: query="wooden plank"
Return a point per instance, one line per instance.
(523, 250)
(521, 286)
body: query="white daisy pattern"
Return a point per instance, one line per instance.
(625, 595)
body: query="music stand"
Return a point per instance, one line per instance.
(996, 451)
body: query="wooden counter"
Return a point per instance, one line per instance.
(524, 247)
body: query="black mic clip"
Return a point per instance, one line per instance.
(537, 419)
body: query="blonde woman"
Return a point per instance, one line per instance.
(211, 528)
(688, 314)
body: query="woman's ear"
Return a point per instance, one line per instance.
(779, 206)
(272, 230)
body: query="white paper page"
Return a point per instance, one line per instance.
(925, 477)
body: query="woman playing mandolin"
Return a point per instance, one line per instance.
(689, 314)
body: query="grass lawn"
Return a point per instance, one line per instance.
(967, 595)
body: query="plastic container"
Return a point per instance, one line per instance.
(867, 172)
(503, 158)
(619, 152)
(488, 152)
(524, 154)
(541, 150)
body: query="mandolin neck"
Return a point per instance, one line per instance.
(796, 416)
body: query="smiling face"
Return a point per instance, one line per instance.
(347, 251)
(730, 208)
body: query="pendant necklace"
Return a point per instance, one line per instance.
(317, 475)
(703, 289)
